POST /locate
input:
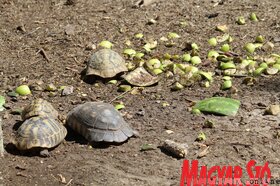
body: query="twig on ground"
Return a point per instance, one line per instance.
(117, 97)
(42, 51)
(1, 140)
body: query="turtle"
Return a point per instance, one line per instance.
(99, 122)
(105, 63)
(40, 128)
(41, 132)
(39, 107)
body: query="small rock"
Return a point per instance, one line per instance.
(141, 112)
(67, 90)
(268, 46)
(169, 131)
(165, 104)
(128, 115)
(69, 30)
(14, 99)
(179, 150)
(24, 97)
(39, 82)
(52, 94)
(51, 87)
(141, 3)
(222, 28)
(50, 166)
(273, 110)
(203, 153)
(209, 124)
(135, 91)
(152, 21)
(36, 88)
(62, 118)
(276, 39)
(90, 46)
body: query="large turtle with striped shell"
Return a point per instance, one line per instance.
(40, 128)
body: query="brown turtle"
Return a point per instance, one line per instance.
(40, 129)
(105, 63)
(39, 107)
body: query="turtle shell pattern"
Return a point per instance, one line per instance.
(42, 131)
(39, 107)
(105, 63)
(98, 121)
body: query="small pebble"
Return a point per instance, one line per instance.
(52, 94)
(179, 150)
(141, 112)
(273, 110)
(90, 46)
(67, 90)
(169, 131)
(36, 88)
(51, 87)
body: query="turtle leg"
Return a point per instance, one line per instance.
(44, 153)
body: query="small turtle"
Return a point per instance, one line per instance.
(40, 128)
(39, 132)
(39, 107)
(105, 63)
(98, 121)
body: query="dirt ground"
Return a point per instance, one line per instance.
(29, 26)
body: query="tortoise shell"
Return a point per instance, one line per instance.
(39, 107)
(105, 63)
(42, 131)
(98, 121)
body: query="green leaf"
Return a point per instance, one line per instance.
(119, 106)
(12, 94)
(201, 136)
(129, 52)
(173, 35)
(2, 102)
(218, 105)
(106, 44)
(146, 147)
